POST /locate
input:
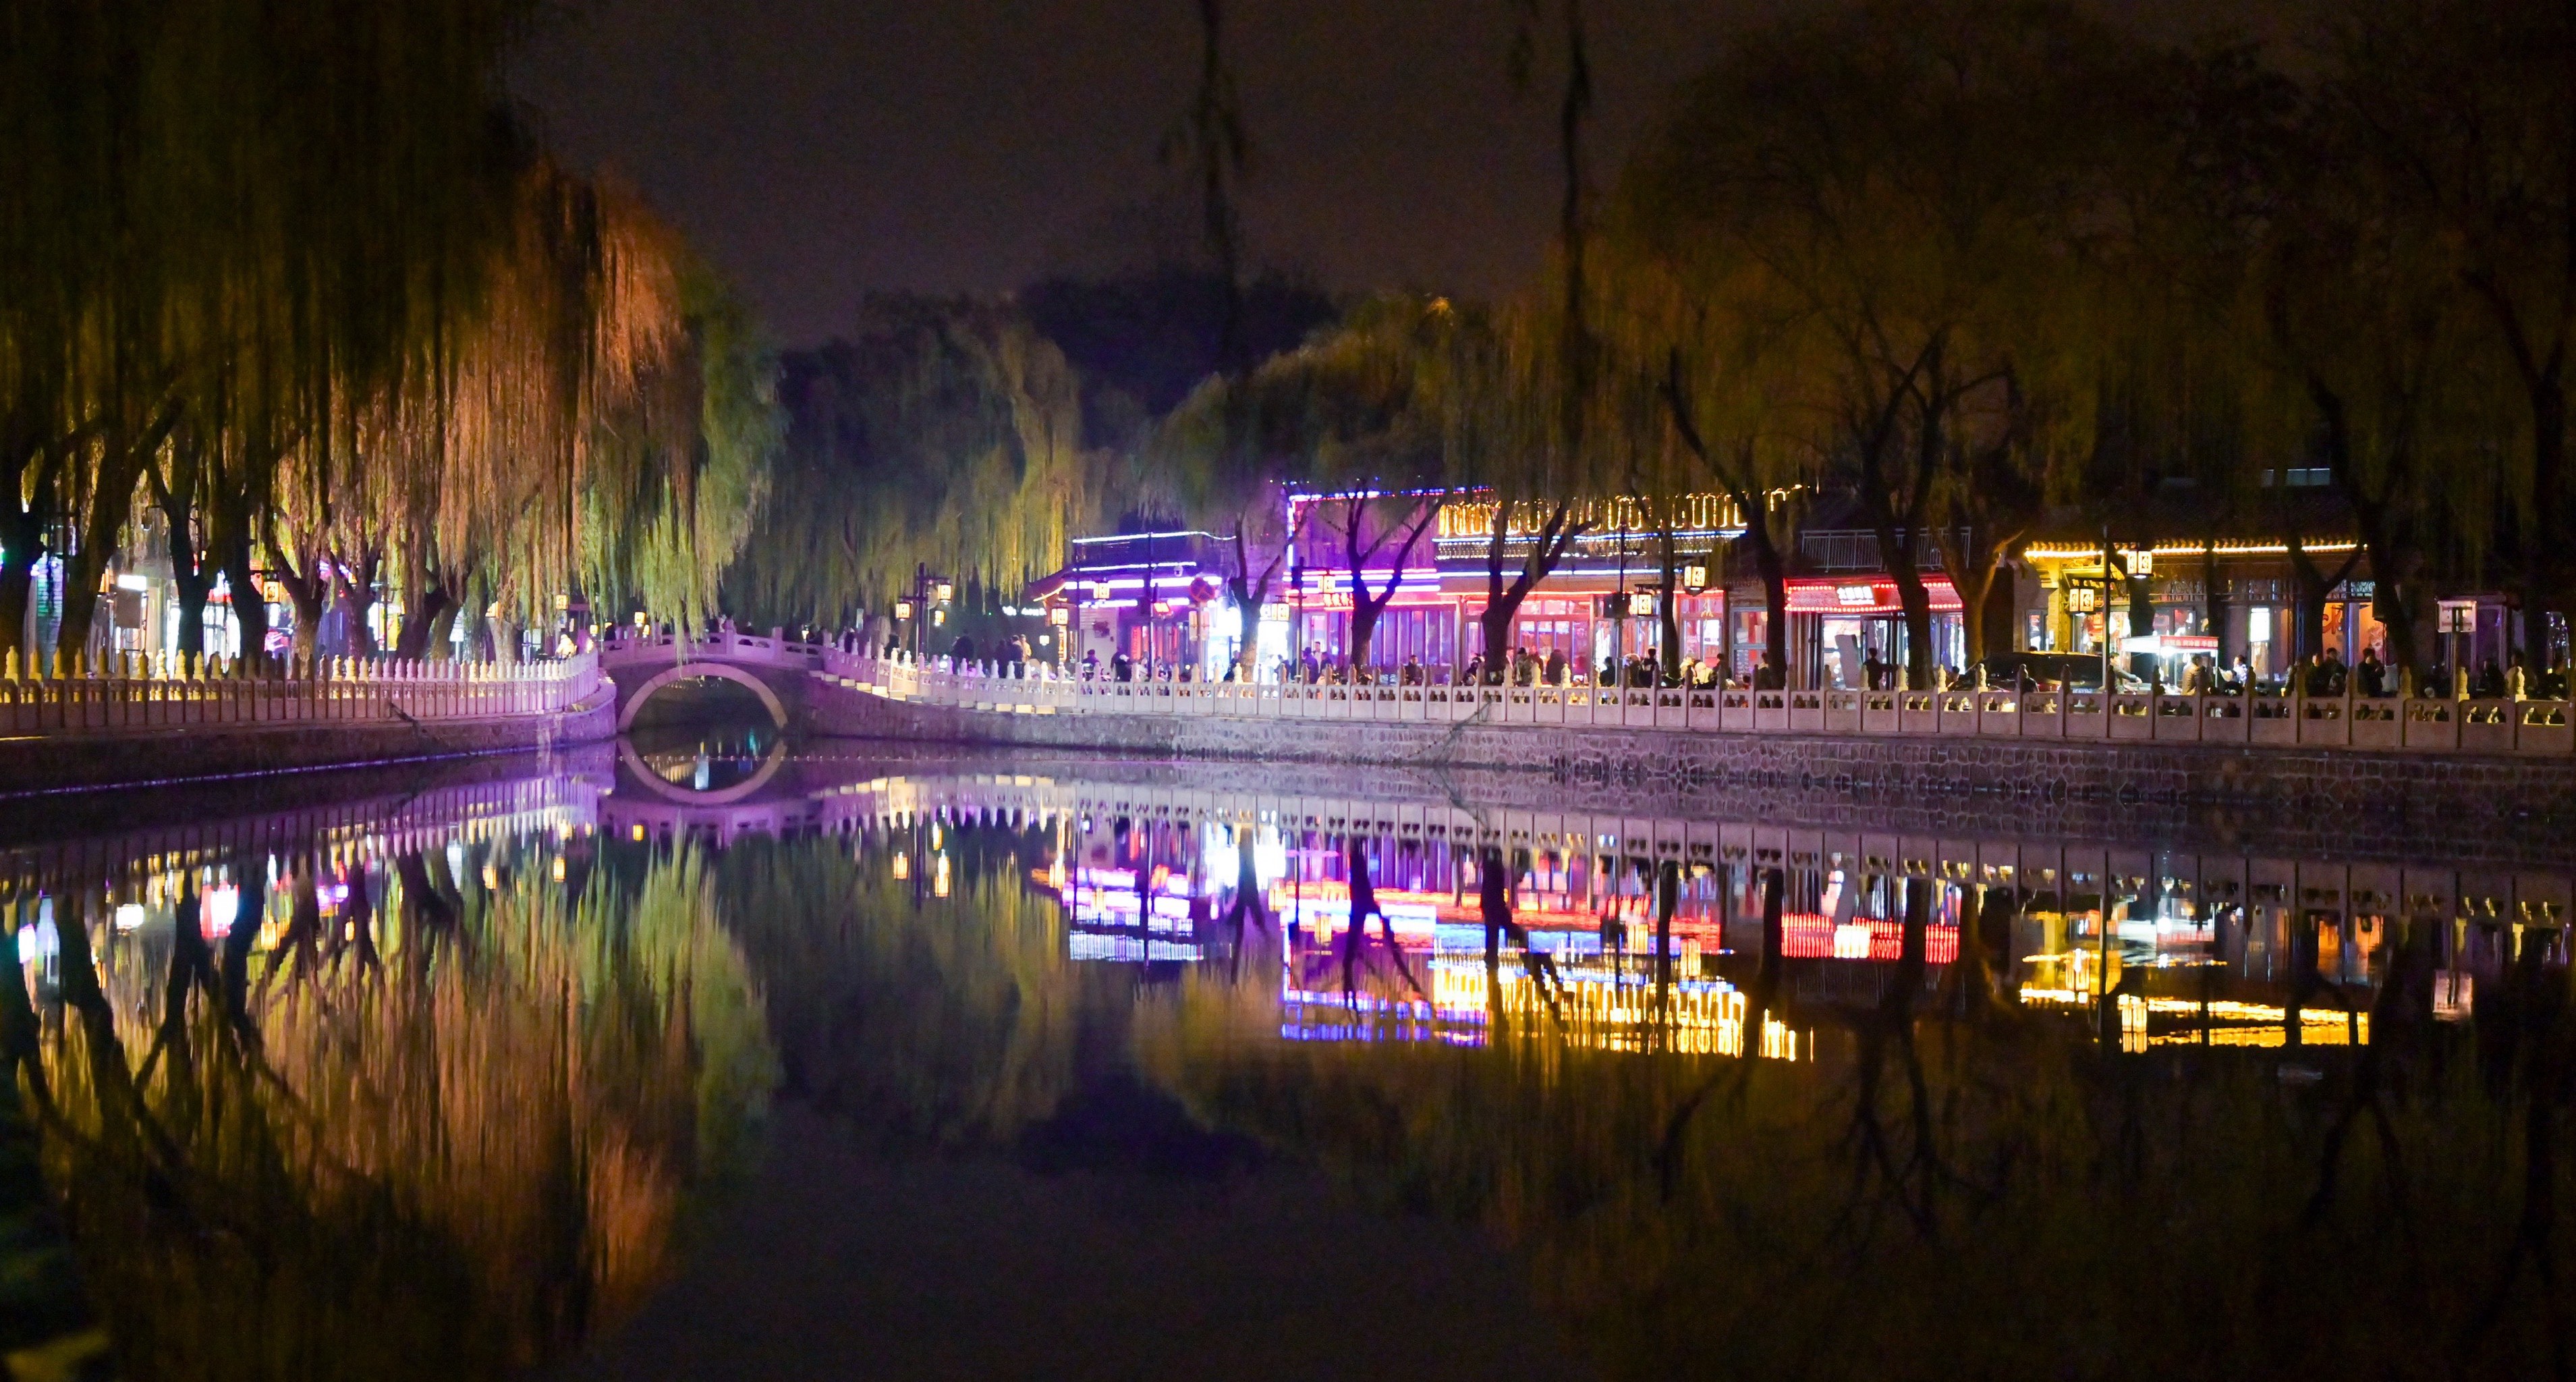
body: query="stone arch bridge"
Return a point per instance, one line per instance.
(776, 669)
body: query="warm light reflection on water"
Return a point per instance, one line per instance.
(436, 1085)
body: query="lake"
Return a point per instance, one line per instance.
(715, 1055)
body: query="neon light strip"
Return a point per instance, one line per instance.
(1137, 537)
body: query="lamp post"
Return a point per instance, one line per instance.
(2106, 612)
(1297, 639)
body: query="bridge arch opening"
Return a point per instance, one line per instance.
(697, 671)
(672, 792)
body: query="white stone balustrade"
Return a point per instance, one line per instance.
(2544, 729)
(143, 695)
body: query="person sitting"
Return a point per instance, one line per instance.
(1556, 667)
(2370, 675)
(2489, 685)
(1768, 675)
(1412, 673)
(1122, 668)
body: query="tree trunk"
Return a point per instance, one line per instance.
(2142, 622)
(1368, 606)
(250, 604)
(1503, 602)
(441, 646)
(2213, 596)
(1991, 630)
(2545, 550)
(194, 587)
(122, 457)
(2313, 586)
(1668, 614)
(308, 621)
(17, 579)
(355, 593)
(22, 545)
(1978, 571)
(431, 610)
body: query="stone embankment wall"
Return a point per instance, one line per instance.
(2335, 802)
(139, 757)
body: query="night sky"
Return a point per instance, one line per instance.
(820, 150)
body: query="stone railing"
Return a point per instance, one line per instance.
(141, 697)
(775, 649)
(2529, 728)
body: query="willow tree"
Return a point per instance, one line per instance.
(1698, 334)
(1350, 410)
(557, 440)
(249, 210)
(2452, 124)
(942, 436)
(1911, 179)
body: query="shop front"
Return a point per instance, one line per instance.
(1849, 632)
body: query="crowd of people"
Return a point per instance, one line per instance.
(2321, 675)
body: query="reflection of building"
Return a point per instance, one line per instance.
(2164, 935)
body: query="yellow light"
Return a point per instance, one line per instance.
(2092, 554)
(559, 868)
(902, 866)
(903, 609)
(639, 833)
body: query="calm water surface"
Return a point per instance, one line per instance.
(716, 1056)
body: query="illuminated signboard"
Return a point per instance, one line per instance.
(1864, 596)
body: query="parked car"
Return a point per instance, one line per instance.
(2057, 671)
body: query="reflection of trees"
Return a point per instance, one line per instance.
(1960, 1190)
(925, 1021)
(437, 1132)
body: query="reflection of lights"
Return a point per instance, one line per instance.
(1055, 874)
(559, 868)
(902, 866)
(939, 878)
(491, 879)
(639, 832)
(2317, 1026)
(935, 838)
(217, 908)
(129, 917)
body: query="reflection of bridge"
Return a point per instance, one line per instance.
(774, 668)
(776, 799)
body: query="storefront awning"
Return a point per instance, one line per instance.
(1861, 596)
